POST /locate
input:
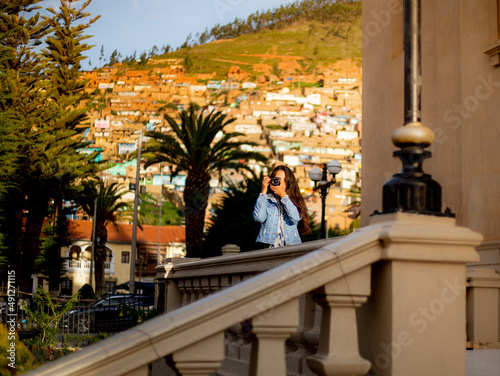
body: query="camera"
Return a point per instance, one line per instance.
(275, 181)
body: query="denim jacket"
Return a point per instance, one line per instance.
(266, 211)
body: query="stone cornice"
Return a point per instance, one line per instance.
(493, 52)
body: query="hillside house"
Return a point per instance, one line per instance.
(117, 266)
(214, 85)
(230, 86)
(135, 76)
(205, 76)
(187, 79)
(237, 74)
(262, 68)
(289, 67)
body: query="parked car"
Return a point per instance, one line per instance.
(113, 313)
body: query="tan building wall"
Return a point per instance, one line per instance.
(460, 103)
(460, 97)
(118, 271)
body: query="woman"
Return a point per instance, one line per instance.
(281, 210)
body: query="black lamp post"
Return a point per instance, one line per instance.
(412, 190)
(321, 183)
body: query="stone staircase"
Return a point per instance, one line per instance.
(378, 301)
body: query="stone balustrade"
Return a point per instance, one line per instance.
(181, 281)
(392, 302)
(483, 308)
(79, 264)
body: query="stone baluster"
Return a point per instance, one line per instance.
(197, 292)
(304, 342)
(230, 249)
(141, 371)
(272, 328)
(201, 358)
(338, 350)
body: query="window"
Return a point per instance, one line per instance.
(125, 257)
(67, 287)
(75, 253)
(110, 286)
(153, 258)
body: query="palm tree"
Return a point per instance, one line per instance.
(354, 206)
(109, 209)
(232, 213)
(194, 149)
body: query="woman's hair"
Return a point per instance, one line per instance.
(293, 191)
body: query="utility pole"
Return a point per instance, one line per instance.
(136, 209)
(158, 261)
(92, 252)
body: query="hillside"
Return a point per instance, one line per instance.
(307, 45)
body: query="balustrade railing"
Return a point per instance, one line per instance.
(180, 283)
(79, 264)
(372, 287)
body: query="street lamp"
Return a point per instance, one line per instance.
(412, 190)
(321, 183)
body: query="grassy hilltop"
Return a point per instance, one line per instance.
(313, 39)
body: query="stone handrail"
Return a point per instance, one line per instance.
(188, 280)
(393, 255)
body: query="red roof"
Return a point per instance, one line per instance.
(82, 230)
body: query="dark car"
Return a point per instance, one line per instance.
(113, 313)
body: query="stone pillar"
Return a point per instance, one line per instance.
(272, 328)
(483, 306)
(173, 298)
(201, 358)
(230, 249)
(338, 350)
(413, 324)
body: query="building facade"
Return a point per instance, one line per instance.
(460, 97)
(154, 245)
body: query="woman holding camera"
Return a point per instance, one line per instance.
(281, 210)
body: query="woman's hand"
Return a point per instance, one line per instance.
(265, 184)
(280, 190)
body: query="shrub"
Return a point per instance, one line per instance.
(76, 340)
(23, 358)
(45, 354)
(47, 315)
(86, 292)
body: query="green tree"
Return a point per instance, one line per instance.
(49, 259)
(64, 52)
(115, 57)
(232, 218)
(149, 212)
(24, 128)
(110, 209)
(188, 61)
(354, 206)
(47, 315)
(195, 149)
(51, 162)
(23, 359)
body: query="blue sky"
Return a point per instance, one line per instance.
(138, 25)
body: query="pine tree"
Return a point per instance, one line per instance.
(39, 99)
(25, 102)
(64, 53)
